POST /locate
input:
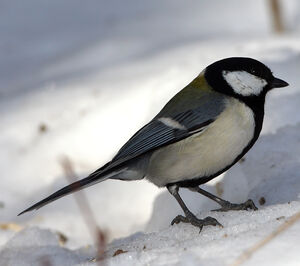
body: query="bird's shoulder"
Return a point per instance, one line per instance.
(196, 95)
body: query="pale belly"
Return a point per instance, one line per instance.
(205, 153)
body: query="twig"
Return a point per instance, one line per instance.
(276, 16)
(249, 252)
(85, 210)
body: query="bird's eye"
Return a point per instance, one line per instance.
(252, 71)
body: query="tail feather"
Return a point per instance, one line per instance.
(95, 177)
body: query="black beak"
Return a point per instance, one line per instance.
(278, 83)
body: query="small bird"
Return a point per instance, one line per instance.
(200, 133)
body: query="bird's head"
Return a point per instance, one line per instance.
(242, 77)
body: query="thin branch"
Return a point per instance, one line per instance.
(276, 16)
(85, 209)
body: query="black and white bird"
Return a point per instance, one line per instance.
(200, 133)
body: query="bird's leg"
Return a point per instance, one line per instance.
(189, 216)
(225, 205)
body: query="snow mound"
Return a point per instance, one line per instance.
(34, 246)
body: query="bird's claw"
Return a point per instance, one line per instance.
(178, 219)
(227, 206)
(192, 219)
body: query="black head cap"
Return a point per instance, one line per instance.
(241, 77)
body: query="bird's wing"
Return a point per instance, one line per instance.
(164, 130)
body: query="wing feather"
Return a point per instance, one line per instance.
(157, 134)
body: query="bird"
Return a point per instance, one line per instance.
(200, 133)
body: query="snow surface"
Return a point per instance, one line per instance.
(81, 84)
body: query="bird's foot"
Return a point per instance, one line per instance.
(192, 219)
(227, 206)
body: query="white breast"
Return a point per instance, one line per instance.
(207, 152)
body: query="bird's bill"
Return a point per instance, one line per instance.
(278, 83)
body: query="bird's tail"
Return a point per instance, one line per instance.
(96, 177)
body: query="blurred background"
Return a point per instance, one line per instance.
(77, 79)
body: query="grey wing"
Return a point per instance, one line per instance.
(163, 131)
(153, 135)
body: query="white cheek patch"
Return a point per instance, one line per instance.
(244, 83)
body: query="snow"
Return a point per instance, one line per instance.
(81, 84)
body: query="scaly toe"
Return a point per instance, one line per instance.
(249, 204)
(211, 221)
(227, 206)
(178, 219)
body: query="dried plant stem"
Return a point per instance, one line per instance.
(85, 210)
(249, 252)
(276, 16)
